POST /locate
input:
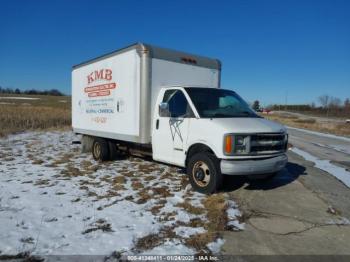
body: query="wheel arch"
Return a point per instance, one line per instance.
(196, 148)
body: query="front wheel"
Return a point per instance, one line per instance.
(204, 173)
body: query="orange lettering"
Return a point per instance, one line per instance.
(90, 78)
(108, 74)
(99, 74)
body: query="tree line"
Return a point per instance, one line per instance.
(51, 92)
(327, 105)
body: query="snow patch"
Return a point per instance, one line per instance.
(232, 214)
(170, 248)
(55, 200)
(340, 221)
(215, 246)
(338, 172)
(186, 232)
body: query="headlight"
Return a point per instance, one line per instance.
(235, 144)
(240, 145)
(240, 140)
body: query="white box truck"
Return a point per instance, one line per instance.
(169, 104)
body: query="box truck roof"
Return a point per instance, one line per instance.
(161, 53)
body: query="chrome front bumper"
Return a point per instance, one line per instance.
(251, 167)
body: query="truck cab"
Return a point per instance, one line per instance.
(213, 132)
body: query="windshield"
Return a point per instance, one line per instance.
(218, 103)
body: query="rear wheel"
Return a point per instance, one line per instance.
(113, 150)
(204, 173)
(100, 150)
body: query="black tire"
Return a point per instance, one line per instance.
(100, 150)
(200, 168)
(262, 177)
(113, 150)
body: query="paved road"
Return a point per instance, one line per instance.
(302, 211)
(335, 149)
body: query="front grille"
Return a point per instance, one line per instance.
(268, 143)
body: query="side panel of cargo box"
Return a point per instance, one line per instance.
(106, 97)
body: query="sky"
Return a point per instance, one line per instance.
(275, 51)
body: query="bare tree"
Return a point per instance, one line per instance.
(334, 102)
(324, 100)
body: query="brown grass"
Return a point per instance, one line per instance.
(190, 208)
(158, 206)
(306, 121)
(216, 207)
(153, 240)
(119, 180)
(199, 241)
(167, 175)
(149, 178)
(148, 168)
(342, 129)
(144, 196)
(148, 242)
(42, 182)
(127, 173)
(100, 224)
(71, 171)
(136, 185)
(163, 192)
(45, 113)
(38, 162)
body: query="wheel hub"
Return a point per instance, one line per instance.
(199, 173)
(97, 150)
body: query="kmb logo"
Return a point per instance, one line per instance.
(103, 89)
(105, 74)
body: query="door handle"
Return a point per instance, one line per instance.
(157, 124)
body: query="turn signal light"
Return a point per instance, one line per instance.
(228, 144)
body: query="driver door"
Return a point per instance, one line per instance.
(171, 128)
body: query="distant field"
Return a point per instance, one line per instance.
(331, 127)
(32, 112)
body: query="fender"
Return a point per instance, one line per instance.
(203, 142)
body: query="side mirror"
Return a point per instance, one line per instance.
(164, 109)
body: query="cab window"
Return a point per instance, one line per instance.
(177, 104)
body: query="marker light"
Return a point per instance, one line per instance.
(228, 144)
